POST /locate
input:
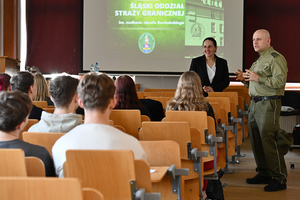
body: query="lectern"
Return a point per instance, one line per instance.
(8, 65)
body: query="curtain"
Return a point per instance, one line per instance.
(54, 35)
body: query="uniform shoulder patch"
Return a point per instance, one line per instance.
(274, 54)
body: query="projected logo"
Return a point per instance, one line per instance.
(197, 31)
(146, 43)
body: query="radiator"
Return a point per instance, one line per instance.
(288, 123)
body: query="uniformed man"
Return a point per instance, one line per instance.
(266, 82)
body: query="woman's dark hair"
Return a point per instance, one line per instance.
(211, 39)
(4, 80)
(126, 93)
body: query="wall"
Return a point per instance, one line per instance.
(281, 18)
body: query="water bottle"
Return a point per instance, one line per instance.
(96, 67)
(92, 69)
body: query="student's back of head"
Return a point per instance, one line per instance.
(126, 93)
(5, 82)
(14, 108)
(22, 81)
(62, 90)
(42, 87)
(96, 91)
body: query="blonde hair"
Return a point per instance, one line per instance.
(189, 94)
(41, 87)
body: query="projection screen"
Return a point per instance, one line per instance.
(160, 36)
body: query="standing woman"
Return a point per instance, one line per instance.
(212, 70)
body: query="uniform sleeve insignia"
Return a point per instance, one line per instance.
(274, 54)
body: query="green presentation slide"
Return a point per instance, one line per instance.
(164, 27)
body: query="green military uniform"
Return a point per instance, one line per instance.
(264, 113)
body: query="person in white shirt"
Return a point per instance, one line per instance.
(97, 97)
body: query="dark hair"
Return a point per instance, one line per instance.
(126, 93)
(22, 81)
(14, 108)
(211, 39)
(62, 90)
(96, 91)
(4, 80)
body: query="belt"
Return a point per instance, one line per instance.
(256, 99)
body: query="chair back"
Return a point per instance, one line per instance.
(178, 132)
(35, 167)
(142, 174)
(109, 171)
(43, 139)
(28, 188)
(12, 163)
(40, 104)
(130, 119)
(28, 125)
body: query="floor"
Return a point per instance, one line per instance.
(236, 187)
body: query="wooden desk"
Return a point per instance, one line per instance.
(8, 65)
(159, 173)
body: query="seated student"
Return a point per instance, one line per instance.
(63, 90)
(127, 97)
(189, 97)
(24, 82)
(96, 96)
(42, 89)
(14, 110)
(4, 80)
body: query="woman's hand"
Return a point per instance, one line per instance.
(208, 89)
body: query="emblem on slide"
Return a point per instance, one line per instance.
(197, 31)
(146, 43)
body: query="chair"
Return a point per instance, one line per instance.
(190, 150)
(28, 125)
(289, 116)
(35, 167)
(152, 94)
(130, 119)
(165, 153)
(121, 128)
(49, 110)
(142, 174)
(109, 171)
(91, 194)
(163, 100)
(236, 120)
(140, 95)
(145, 118)
(158, 90)
(199, 120)
(167, 94)
(12, 163)
(43, 139)
(40, 104)
(224, 103)
(28, 188)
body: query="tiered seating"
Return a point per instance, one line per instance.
(235, 119)
(190, 150)
(46, 140)
(109, 171)
(160, 154)
(224, 103)
(25, 188)
(199, 120)
(14, 163)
